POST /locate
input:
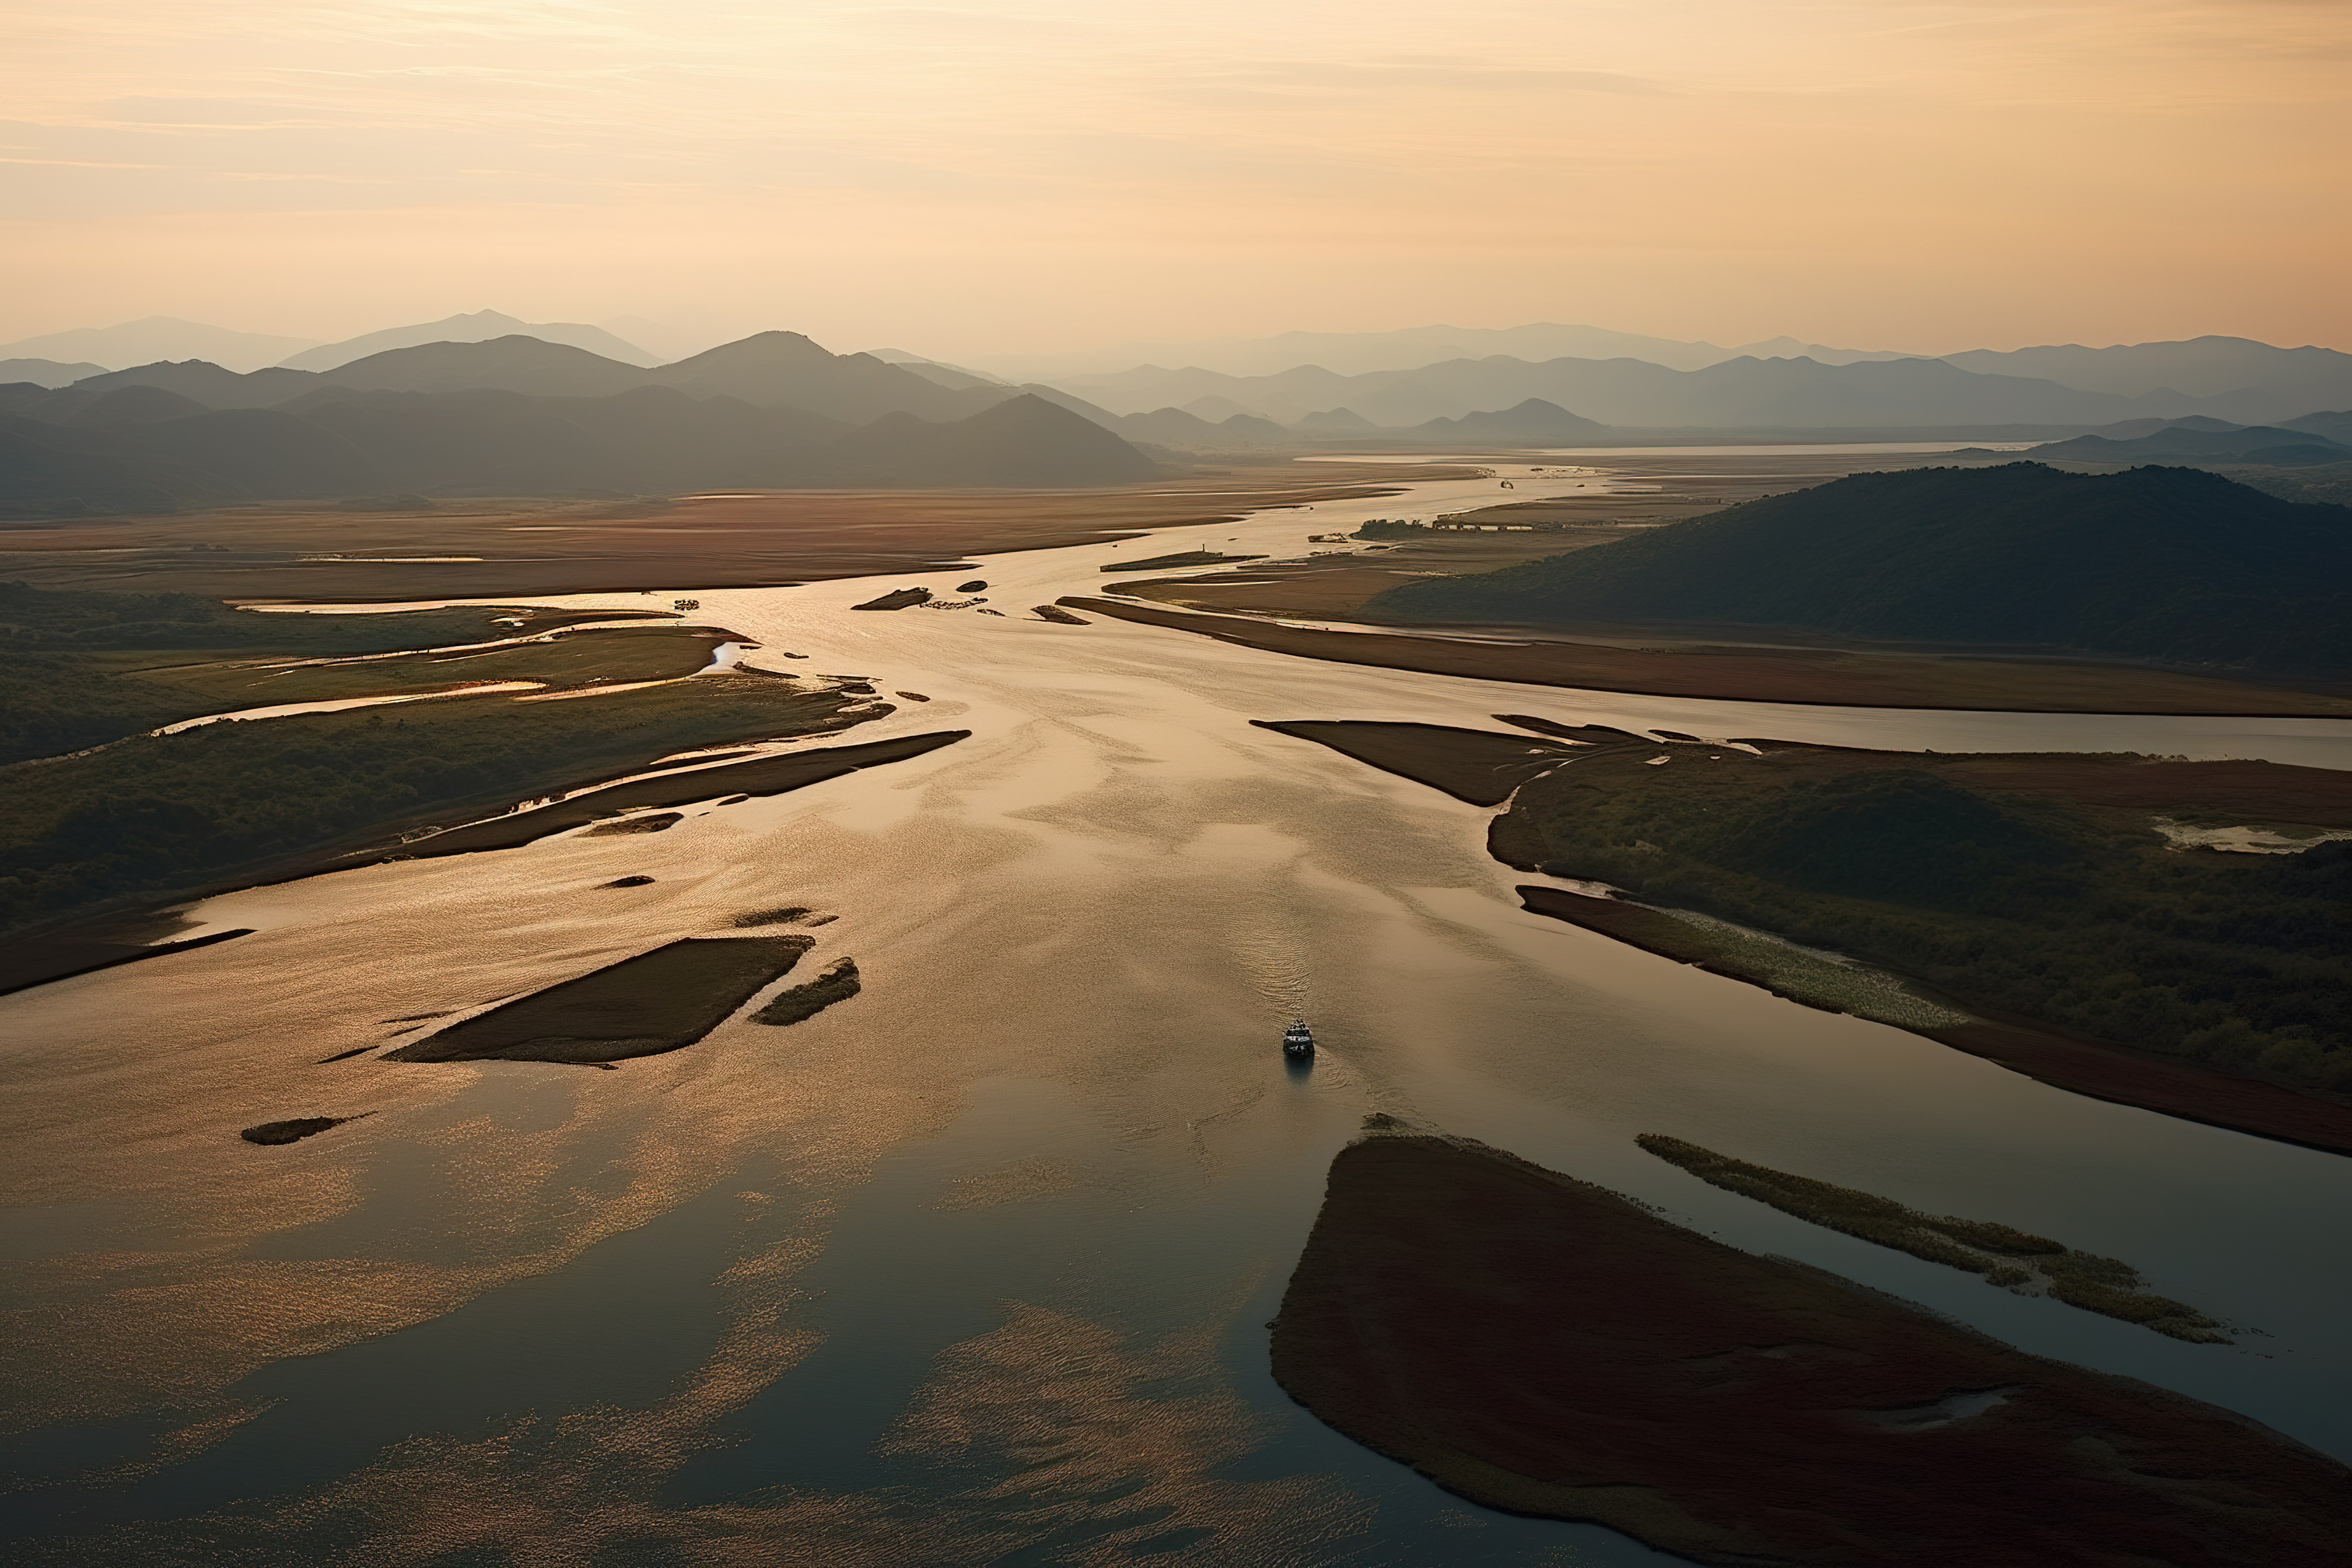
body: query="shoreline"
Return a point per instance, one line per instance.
(41, 955)
(2078, 1064)
(1486, 768)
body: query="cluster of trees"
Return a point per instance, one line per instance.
(2008, 903)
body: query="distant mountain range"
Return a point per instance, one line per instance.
(518, 415)
(161, 338)
(1354, 354)
(2299, 443)
(158, 338)
(45, 372)
(771, 370)
(2233, 378)
(2153, 562)
(1750, 394)
(479, 327)
(1405, 378)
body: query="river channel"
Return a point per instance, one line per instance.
(974, 1267)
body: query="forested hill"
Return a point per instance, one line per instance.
(2165, 564)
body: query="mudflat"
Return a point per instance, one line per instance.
(1545, 1346)
(646, 1005)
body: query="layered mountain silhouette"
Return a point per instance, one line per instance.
(157, 338)
(2175, 564)
(1534, 423)
(46, 372)
(1739, 394)
(770, 370)
(1791, 386)
(480, 326)
(2236, 378)
(518, 415)
(2208, 441)
(2259, 379)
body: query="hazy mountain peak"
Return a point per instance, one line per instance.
(477, 326)
(152, 340)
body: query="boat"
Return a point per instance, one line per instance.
(1298, 1040)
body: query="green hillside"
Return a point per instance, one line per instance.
(2174, 565)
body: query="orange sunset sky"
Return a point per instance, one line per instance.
(963, 178)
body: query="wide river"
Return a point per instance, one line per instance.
(975, 1267)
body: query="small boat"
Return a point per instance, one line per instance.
(1297, 1041)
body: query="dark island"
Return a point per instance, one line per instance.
(644, 1005)
(1544, 1346)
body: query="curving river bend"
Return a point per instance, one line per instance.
(974, 1267)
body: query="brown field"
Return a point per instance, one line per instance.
(529, 547)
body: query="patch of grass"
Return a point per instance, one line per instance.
(2015, 1259)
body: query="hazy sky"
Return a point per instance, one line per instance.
(1006, 174)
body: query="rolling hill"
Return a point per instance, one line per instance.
(2173, 564)
(2258, 444)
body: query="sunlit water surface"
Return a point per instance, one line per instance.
(975, 1267)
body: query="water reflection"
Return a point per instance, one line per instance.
(974, 1267)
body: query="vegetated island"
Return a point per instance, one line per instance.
(129, 819)
(2064, 915)
(2014, 1259)
(2016, 587)
(1547, 1347)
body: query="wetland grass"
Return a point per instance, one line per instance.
(2014, 1259)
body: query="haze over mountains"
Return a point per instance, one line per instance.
(159, 338)
(464, 405)
(1782, 392)
(518, 415)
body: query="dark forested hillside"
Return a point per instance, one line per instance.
(2174, 565)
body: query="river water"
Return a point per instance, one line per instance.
(974, 1267)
